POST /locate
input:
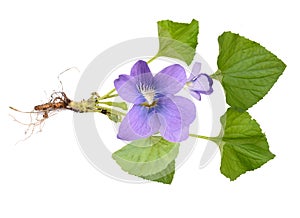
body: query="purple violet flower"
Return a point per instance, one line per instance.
(155, 108)
(199, 83)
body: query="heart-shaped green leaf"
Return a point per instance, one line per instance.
(247, 70)
(152, 158)
(242, 144)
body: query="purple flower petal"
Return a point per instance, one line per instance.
(199, 83)
(139, 67)
(184, 133)
(171, 118)
(177, 135)
(170, 80)
(195, 71)
(196, 95)
(196, 68)
(145, 79)
(186, 108)
(144, 85)
(126, 88)
(169, 110)
(202, 83)
(140, 122)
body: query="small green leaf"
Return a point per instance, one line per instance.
(114, 117)
(152, 158)
(242, 144)
(247, 70)
(178, 40)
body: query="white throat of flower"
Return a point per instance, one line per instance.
(147, 91)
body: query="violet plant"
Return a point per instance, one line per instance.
(159, 118)
(246, 70)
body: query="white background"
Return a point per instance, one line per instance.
(47, 175)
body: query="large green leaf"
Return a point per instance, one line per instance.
(247, 70)
(152, 158)
(242, 144)
(178, 40)
(164, 176)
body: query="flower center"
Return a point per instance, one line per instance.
(148, 92)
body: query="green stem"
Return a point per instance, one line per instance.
(108, 95)
(200, 136)
(111, 96)
(111, 91)
(152, 59)
(121, 105)
(217, 75)
(115, 112)
(216, 140)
